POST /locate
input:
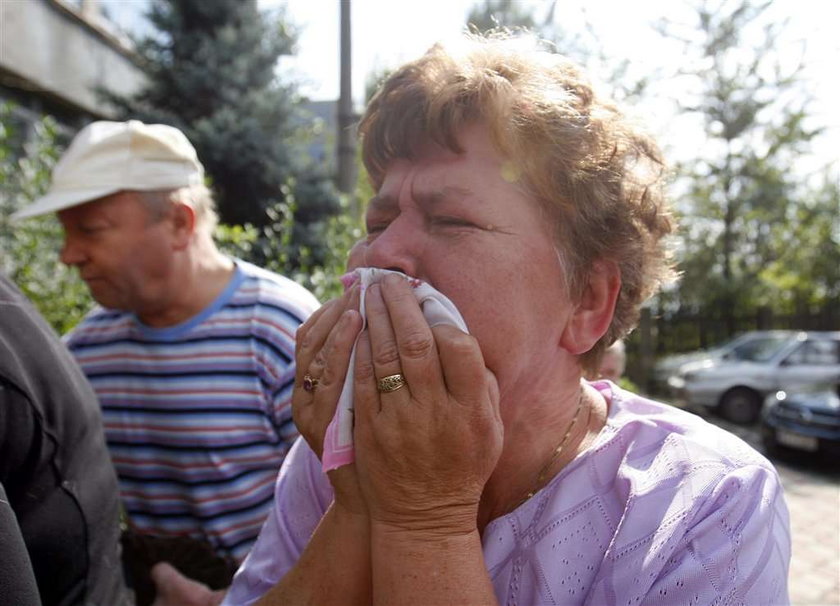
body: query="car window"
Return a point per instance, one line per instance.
(817, 352)
(759, 350)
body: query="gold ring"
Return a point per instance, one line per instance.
(390, 383)
(309, 383)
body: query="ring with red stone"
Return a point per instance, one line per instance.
(309, 383)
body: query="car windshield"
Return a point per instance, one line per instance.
(759, 350)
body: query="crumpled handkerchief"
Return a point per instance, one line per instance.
(437, 309)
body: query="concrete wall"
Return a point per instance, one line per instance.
(48, 50)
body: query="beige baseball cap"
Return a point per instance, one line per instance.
(107, 157)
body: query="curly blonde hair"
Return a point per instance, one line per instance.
(597, 174)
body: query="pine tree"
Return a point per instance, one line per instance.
(211, 70)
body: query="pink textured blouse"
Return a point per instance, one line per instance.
(664, 509)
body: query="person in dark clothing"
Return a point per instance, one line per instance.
(56, 477)
(17, 583)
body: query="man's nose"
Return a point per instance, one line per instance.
(71, 253)
(398, 247)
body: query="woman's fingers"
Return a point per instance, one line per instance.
(444, 424)
(469, 383)
(384, 352)
(312, 335)
(461, 362)
(335, 354)
(413, 340)
(323, 356)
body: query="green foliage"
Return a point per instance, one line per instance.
(742, 205)
(269, 247)
(29, 249)
(805, 278)
(211, 72)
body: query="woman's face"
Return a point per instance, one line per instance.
(456, 222)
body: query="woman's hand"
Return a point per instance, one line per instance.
(323, 347)
(425, 451)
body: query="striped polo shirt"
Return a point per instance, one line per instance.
(198, 415)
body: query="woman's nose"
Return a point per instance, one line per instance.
(357, 257)
(398, 247)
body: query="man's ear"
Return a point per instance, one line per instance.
(183, 225)
(593, 312)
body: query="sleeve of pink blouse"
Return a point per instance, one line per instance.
(734, 550)
(302, 495)
(737, 548)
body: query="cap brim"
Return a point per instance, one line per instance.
(57, 201)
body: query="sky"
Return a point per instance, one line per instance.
(389, 32)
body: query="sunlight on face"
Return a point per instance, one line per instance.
(120, 254)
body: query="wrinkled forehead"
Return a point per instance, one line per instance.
(435, 173)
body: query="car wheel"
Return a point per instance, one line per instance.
(740, 405)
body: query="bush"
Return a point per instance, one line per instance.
(29, 249)
(271, 246)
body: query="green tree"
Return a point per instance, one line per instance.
(739, 189)
(211, 71)
(804, 278)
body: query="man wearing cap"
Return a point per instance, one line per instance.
(190, 352)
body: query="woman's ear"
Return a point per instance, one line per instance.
(183, 225)
(593, 312)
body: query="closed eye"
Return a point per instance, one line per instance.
(446, 221)
(92, 229)
(375, 228)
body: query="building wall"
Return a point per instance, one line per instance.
(53, 59)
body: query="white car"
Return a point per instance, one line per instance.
(740, 347)
(737, 384)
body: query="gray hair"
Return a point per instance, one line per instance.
(197, 197)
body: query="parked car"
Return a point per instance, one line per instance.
(736, 385)
(806, 419)
(741, 347)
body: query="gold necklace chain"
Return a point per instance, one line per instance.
(555, 454)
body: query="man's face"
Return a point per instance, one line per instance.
(122, 254)
(455, 221)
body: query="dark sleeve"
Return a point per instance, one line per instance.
(17, 581)
(19, 437)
